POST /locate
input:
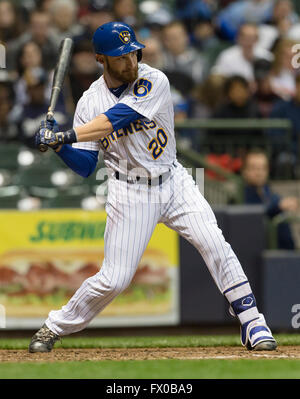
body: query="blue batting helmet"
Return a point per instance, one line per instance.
(115, 39)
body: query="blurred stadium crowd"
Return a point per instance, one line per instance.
(224, 59)
(227, 59)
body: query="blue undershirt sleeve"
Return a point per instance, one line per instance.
(120, 116)
(80, 161)
(84, 162)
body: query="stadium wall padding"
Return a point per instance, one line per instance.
(281, 289)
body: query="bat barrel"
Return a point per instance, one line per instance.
(60, 71)
(58, 79)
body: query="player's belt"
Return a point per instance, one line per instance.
(155, 181)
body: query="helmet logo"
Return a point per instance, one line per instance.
(125, 36)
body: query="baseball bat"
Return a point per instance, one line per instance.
(58, 79)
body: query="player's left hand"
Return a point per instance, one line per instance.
(50, 124)
(50, 138)
(47, 134)
(50, 135)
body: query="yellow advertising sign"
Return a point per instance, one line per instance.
(45, 256)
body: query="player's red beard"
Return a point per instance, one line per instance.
(127, 76)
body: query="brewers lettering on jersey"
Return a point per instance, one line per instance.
(145, 140)
(126, 116)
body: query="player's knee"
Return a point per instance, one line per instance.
(119, 286)
(116, 284)
(109, 282)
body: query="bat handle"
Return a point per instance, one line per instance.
(49, 117)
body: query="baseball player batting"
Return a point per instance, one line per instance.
(128, 114)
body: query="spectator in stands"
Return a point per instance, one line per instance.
(283, 73)
(288, 109)
(224, 3)
(43, 5)
(239, 59)
(282, 24)
(189, 11)
(11, 23)
(39, 32)
(293, 32)
(99, 12)
(203, 35)
(181, 105)
(195, 12)
(84, 69)
(232, 17)
(208, 96)
(155, 20)
(264, 95)
(255, 172)
(125, 11)
(179, 55)
(63, 14)
(83, 8)
(29, 57)
(205, 99)
(153, 53)
(239, 102)
(8, 128)
(36, 109)
(153, 56)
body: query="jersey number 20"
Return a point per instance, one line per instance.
(157, 145)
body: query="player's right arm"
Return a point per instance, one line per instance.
(96, 129)
(82, 158)
(117, 117)
(144, 100)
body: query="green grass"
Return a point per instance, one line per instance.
(148, 342)
(131, 342)
(154, 369)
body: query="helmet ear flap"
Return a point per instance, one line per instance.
(139, 55)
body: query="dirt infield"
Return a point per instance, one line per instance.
(63, 355)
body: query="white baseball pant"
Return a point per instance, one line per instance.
(133, 211)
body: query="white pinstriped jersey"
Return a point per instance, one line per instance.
(148, 143)
(133, 211)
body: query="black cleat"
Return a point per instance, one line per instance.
(43, 340)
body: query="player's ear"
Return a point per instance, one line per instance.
(100, 58)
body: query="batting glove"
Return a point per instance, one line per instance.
(49, 135)
(50, 124)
